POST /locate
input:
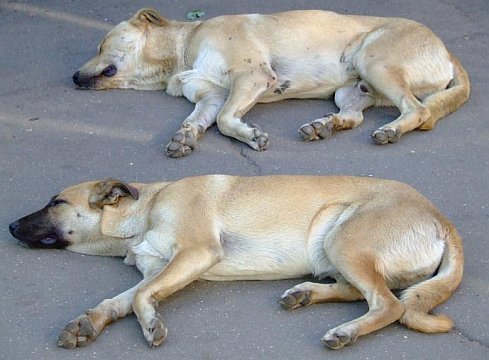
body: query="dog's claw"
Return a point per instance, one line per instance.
(384, 136)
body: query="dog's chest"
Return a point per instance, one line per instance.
(155, 245)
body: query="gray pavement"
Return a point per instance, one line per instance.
(52, 135)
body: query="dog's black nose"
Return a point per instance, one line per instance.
(13, 227)
(75, 78)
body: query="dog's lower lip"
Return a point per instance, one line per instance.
(50, 240)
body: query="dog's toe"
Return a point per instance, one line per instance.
(295, 299)
(337, 338)
(182, 143)
(77, 333)
(177, 150)
(156, 333)
(159, 336)
(259, 142)
(307, 133)
(67, 340)
(316, 130)
(384, 136)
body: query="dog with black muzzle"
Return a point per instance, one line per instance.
(370, 235)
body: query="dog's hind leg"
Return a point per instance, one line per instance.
(208, 104)
(353, 254)
(400, 69)
(395, 88)
(312, 293)
(351, 100)
(384, 307)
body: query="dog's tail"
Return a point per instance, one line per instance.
(421, 298)
(447, 101)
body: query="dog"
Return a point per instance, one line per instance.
(372, 236)
(228, 64)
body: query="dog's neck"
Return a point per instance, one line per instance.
(173, 38)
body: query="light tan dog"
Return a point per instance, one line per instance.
(228, 64)
(370, 235)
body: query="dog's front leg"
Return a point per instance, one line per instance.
(87, 327)
(208, 99)
(204, 115)
(185, 267)
(246, 88)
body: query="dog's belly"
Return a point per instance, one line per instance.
(317, 76)
(272, 257)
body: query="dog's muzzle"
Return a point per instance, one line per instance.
(35, 231)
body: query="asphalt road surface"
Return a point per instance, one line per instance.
(52, 135)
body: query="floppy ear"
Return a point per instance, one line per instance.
(118, 219)
(149, 16)
(109, 192)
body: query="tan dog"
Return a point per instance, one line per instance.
(228, 64)
(370, 235)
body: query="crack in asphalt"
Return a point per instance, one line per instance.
(245, 154)
(470, 339)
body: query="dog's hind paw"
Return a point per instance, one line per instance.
(337, 338)
(182, 143)
(293, 299)
(317, 130)
(384, 136)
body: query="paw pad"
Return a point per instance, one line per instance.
(316, 130)
(384, 136)
(295, 299)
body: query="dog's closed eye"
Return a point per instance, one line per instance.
(54, 202)
(110, 71)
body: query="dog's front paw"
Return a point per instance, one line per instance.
(337, 338)
(78, 333)
(317, 130)
(155, 333)
(259, 142)
(182, 143)
(383, 136)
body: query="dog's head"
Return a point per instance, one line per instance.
(92, 218)
(138, 54)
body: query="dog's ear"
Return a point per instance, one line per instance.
(149, 16)
(109, 192)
